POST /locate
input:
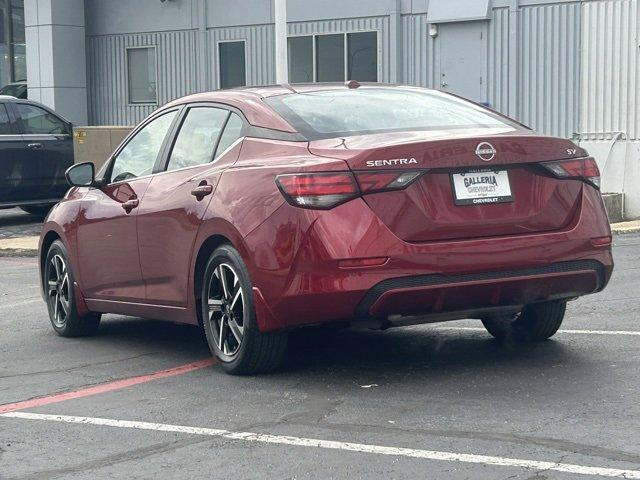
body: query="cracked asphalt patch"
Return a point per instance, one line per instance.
(572, 399)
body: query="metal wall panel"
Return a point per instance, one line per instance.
(498, 60)
(549, 68)
(379, 24)
(610, 69)
(259, 52)
(417, 46)
(107, 76)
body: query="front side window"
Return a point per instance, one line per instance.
(37, 121)
(197, 137)
(139, 156)
(232, 64)
(338, 113)
(5, 124)
(141, 71)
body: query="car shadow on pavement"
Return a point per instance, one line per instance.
(427, 353)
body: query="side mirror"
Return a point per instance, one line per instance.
(81, 175)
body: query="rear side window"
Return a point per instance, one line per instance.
(197, 138)
(337, 113)
(232, 132)
(37, 121)
(5, 124)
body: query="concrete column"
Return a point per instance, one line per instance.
(395, 43)
(56, 56)
(282, 65)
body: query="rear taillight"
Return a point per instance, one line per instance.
(318, 190)
(585, 169)
(327, 190)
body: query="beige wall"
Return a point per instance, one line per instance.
(95, 144)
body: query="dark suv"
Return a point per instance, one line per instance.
(36, 148)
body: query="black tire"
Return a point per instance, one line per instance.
(60, 297)
(536, 322)
(39, 210)
(233, 314)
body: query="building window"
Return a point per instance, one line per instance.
(334, 57)
(13, 65)
(362, 55)
(142, 75)
(231, 63)
(330, 58)
(301, 59)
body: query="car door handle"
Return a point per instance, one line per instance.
(202, 191)
(130, 204)
(34, 146)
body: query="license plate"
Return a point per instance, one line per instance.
(478, 187)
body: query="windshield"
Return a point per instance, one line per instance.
(339, 113)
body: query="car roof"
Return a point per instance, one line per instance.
(9, 98)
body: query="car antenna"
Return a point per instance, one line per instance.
(352, 84)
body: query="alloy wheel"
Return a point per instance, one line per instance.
(58, 290)
(226, 307)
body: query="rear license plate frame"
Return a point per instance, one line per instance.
(504, 192)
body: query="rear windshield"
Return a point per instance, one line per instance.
(341, 113)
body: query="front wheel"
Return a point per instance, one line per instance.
(229, 318)
(61, 302)
(536, 322)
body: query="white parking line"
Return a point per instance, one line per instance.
(333, 445)
(579, 332)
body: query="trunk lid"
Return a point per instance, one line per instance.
(430, 209)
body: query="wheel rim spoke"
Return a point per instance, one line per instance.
(235, 329)
(222, 332)
(215, 306)
(236, 296)
(223, 282)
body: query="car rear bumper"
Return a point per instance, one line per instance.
(307, 282)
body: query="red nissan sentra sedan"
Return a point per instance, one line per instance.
(254, 211)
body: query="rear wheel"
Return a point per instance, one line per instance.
(230, 321)
(40, 210)
(536, 322)
(61, 302)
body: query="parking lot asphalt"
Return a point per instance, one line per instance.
(434, 401)
(15, 223)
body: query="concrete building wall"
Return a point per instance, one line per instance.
(177, 68)
(564, 67)
(610, 108)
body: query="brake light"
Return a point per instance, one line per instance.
(318, 190)
(329, 189)
(581, 168)
(371, 182)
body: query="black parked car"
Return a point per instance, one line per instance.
(17, 89)
(36, 148)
